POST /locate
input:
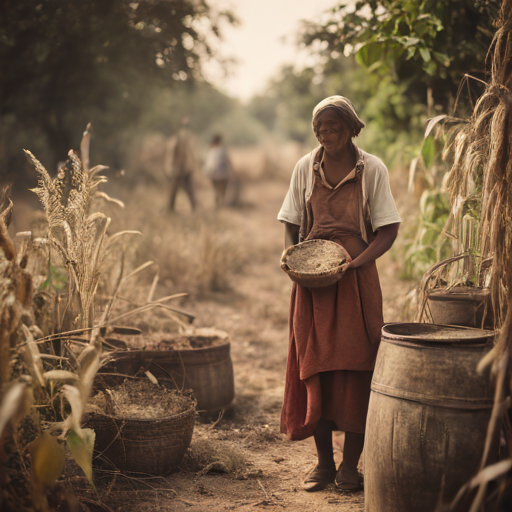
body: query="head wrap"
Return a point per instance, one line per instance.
(345, 109)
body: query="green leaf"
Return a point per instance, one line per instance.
(428, 151)
(442, 58)
(425, 54)
(430, 67)
(410, 52)
(47, 459)
(369, 54)
(81, 445)
(432, 123)
(410, 41)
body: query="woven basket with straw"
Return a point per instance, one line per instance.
(321, 263)
(152, 446)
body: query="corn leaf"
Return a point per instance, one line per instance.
(15, 404)
(47, 459)
(151, 377)
(428, 151)
(89, 366)
(60, 375)
(32, 356)
(74, 398)
(492, 472)
(81, 445)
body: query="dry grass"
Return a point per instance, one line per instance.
(205, 456)
(194, 252)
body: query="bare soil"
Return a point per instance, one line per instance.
(255, 315)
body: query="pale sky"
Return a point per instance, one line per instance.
(257, 42)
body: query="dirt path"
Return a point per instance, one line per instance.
(255, 316)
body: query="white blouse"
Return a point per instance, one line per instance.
(377, 195)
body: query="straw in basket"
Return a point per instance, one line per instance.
(315, 263)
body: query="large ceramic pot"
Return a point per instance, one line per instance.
(462, 305)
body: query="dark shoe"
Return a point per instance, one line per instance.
(348, 479)
(318, 479)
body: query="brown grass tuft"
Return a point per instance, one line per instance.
(204, 456)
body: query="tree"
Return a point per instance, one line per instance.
(65, 61)
(428, 45)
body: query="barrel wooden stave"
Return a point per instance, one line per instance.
(427, 372)
(426, 425)
(410, 448)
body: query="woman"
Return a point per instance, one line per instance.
(218, 167)
(340, 193)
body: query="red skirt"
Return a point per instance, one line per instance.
(334, 338)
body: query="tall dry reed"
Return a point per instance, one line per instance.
(482, 167)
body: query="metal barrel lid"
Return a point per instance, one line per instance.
(421, 333)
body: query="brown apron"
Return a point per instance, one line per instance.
(335, 330)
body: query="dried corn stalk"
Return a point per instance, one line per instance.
(75, 233)
(15, 299)
(480, 180)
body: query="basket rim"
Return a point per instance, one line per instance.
(189, 411)
(133, 351)
(311, 275)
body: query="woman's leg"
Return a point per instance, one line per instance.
(347, 478)
(324, 473)
(352, 450)
(323, 442)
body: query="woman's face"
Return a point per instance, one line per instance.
(331, 131)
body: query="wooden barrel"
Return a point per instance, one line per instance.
(427, 417)
(207, 371)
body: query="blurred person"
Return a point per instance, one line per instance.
(180, 164)
(218, 168)
(338, 192)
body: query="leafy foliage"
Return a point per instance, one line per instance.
(410, 40)
(67, 63)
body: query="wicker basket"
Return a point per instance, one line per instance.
(315, 279)
(207, 371)
(152, 446)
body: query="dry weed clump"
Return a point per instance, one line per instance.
(204, 456)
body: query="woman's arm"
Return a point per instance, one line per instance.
(386, 235)
(291, 234)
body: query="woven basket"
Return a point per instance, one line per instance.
(152, 446)
(207, 371)
(316, 279)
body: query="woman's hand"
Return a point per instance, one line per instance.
(385, 238)
(346, 265)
